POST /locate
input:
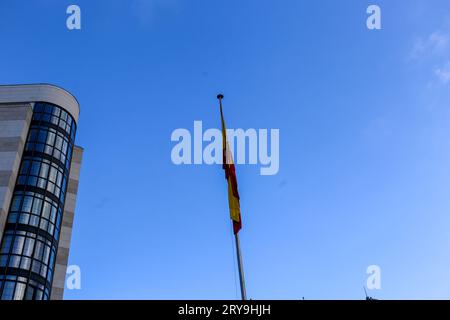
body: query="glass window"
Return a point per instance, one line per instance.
(35, 166)
(53, 174)
(34, 220)
(8, 291)
(27, 203)
(44, 271)
(15, 205)
(36, 266)
(25, 263)
(39, 294)
(38, 250)
(12, 218)
(28, 247)
(22, 180)
(33, 135)
(41, 183)
(46, 210)
(37, 206)
(18, 245)
(32, 180)
(3, 260)
(24, 218)
(39, 147)
(48, 150)
(20, 291)
(59, 142)
(56, 112)
(25, 167)
(44, 224)
(42, 136)
(29, 293)
(6, 245)
(51, 137)
(44, 170)
(38, 107)
(63, 115)
(14, 261)
(48, 109)
(46, 118)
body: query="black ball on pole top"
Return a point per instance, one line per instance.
(220, 96)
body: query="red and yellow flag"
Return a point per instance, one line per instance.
(230, 175)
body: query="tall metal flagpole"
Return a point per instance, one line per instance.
(236, 238)
(241, 267)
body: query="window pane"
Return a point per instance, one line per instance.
(23, 218)
(35, 168)
(6, 245)
(15, 206)
(42, 136)
(28, 247)
(44, 171)
(51, 138)
(18, 245)
(20, 291)
(38, 250)
(8, 290)
(14, 261)
(37, 206)
(25, 167)
(53, 173)
(27, 203)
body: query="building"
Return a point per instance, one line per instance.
(39, 170)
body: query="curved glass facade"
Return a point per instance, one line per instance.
(30, 241)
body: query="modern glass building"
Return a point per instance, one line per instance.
(39, 171)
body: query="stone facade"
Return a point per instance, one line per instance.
(14, 123)
(62, 256)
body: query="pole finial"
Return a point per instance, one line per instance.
(220, 96)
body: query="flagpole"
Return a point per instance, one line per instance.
(241, 267)
(236, 238)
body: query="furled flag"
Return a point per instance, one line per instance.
(230, 175)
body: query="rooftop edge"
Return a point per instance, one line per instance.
(41, 92)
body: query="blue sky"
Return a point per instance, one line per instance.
(364, 143)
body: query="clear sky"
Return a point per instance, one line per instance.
(364, 119)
